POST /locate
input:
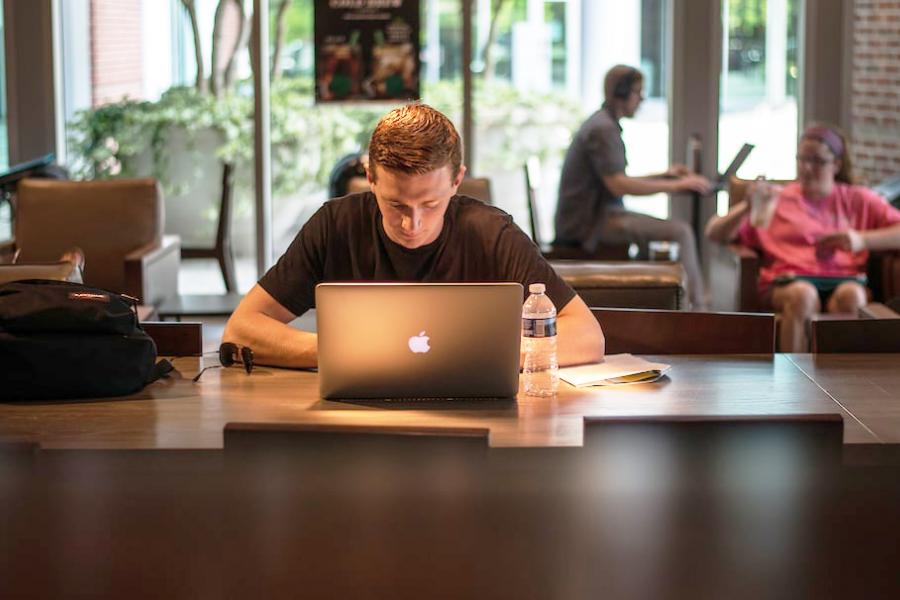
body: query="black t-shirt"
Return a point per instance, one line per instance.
(345, 241)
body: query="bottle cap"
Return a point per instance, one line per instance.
(537, 288)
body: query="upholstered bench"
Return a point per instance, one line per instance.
(625, 284)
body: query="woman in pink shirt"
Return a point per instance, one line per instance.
(813, 235)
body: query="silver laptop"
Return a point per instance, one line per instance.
(722, 182)
(418, 340)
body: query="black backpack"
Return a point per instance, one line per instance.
(62, 340)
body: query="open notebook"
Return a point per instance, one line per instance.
(614, 369)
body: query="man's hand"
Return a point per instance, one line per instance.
(693, 183)
(677, 170)
(849, 240)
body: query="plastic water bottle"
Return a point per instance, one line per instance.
(541, 369)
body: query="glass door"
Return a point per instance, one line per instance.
(539, 74)
(163, 88)
(759, 88)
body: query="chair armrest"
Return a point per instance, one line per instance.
(155, 250)
(877, 310)
(855, 335)
(743, 252)
(734, 270)
(886, 274)
(151, 271)
(747, 261)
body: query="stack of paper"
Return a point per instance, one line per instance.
(614, 369)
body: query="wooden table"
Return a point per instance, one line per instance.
(179, 414)
(100, 512)
(864, 386)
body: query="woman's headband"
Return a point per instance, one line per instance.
(828, 137)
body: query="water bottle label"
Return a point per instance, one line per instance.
(539, 328)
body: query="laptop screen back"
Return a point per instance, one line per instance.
(418, 340)
(733, 167)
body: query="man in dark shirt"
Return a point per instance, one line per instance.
(412, 226)
(593, 181)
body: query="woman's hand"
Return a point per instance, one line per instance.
(848, 240)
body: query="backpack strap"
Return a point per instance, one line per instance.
(161, 369)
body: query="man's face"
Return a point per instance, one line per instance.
(634, 99)
(413, 206)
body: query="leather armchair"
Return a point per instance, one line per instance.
(118, 225)
(734, 269)
(625, 284)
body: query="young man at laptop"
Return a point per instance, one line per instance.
(593, 181)
(411, 226)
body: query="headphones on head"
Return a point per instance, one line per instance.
(622, 90)
(346, 168)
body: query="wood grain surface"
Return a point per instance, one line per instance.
(180, 414)
(866, 386)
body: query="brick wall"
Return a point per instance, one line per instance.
(875, 101)
(116, 50)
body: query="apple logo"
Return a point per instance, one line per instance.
(419, 343)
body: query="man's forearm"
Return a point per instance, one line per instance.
(645, 186)
(579, 336)
(273, 343)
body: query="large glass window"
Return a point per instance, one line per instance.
(532, 90)
(163, 88)
(539, 69)
(759, 87)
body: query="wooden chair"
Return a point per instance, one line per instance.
(717, 495)
(478, 188)
(678, 332)
(117, 224)
(557, 251)
(606, 277)
(875, 329)
(176, 339)
(336, 509)
(734, 269)
(221, 249)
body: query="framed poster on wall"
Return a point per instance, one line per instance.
(367, 50)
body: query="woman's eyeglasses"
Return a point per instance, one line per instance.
(231, 354)
(815, 161)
